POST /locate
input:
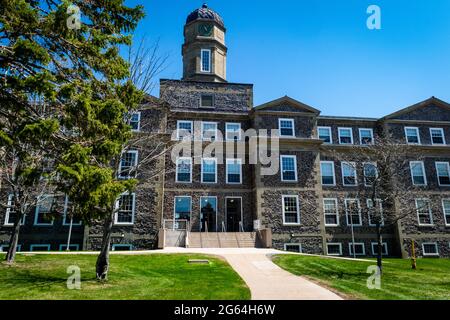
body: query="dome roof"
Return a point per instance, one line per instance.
(204, 13)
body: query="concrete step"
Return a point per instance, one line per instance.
(222, 240)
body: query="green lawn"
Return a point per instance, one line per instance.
(156, 276)
(431, 280)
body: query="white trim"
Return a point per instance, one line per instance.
(329, 214)
(239, 162)
(8, 212)
(132, 168)
(443, 137)
(293, 126)
(297, 208)
(66, 206)
(201, 61)
(334, 244)
(36, 212)
(226, 210)
(190, 169)
(216, 208)
(295, 167)
(380, 203)
(329, 131)
(447, 223)
(215, 170)
(117, 245)
(351, 245)
(418, 135)
(364, 172)
(133, 210)
(203, 131)
(413, 163)
(139, 121)
(430, 213)
(239, 131)
(175, 207)
(39, 245)
(184, 121)
(430, 254)
(353, 166)
(299, 245)
(347, 215)
(371, 136)
(351, 135)
(384, 245)
(76, 245)
(334, 173)
(437, 172)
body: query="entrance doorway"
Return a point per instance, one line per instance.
(208, 214)
(233, 209)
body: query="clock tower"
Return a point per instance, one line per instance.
(204, 51)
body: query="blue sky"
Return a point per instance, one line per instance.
(320, 51)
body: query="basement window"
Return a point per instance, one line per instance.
(334, 249)
(358, 248)
(293, 247)
(430, 249)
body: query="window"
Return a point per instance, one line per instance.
(370, 173)
(5, 247)
(122, 247)
(205, 60)
(288, 168)
(135, 121)
(76, 221)
(43, 215)
(182, 209)
(40, 247)
(10, 216)
(334, 249)
(208, 213)
(412, 135)
(184, 170)
(375, 214)
(348, 173)
(207, 101)
(443, 173)
(286, 127)
(234, 171)
(365, 136)
(430, 249)
(446, 209)
(384, 249)
(291, 210)
(330, 209)
(418, 173)
(184, 129)
(345, 135)
(233, 131)
(209, 131)
(128, 164)
(209, 170)
(358, 248)
(293, 247)
(327, 173)
(424, 214)
(72, 247)
(437, 136)
(325, 134)
(353, 212)
(125, 207)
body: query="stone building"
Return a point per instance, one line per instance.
(224, 201)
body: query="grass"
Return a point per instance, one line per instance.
(430, 281)
(141, 277)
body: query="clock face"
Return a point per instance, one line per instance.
(205, 30)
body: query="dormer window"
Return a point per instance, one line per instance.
(207, 101)
(286, 127)
(205, 60)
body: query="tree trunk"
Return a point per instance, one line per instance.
(102, 266)
(380, 248)
(14, 240)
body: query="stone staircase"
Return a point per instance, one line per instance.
(222, 240)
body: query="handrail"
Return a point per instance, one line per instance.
(206, 227)
(223, 227)
(241, 226)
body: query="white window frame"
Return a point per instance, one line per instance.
(430, 212)
(299, 245)
(32, 246)
(210, 61)
(352, 165)
(329, 214)
(132, 168)
(384, 245)
(8, 212)
(421, 163)
(430, 254)
(176, 169)
(347, 220)
(443, 136)
(284, 207)
(66, 207)
(175, 208)
(133, 210)
(418, 135)
(215, 170)
(330, 134)
(334, 173)
(351, 135)
(227, 131)
(437, 172)
(36, 213)
(139, 121)
(446, 221)
(239, 162)
(350, 247)
(371, 136)
(364, 172)
(292, 121)
(76, 245)
(116, 245)
(295, 167)
(203, 131)
(334, 244)
(380, 203)
(179, 129)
